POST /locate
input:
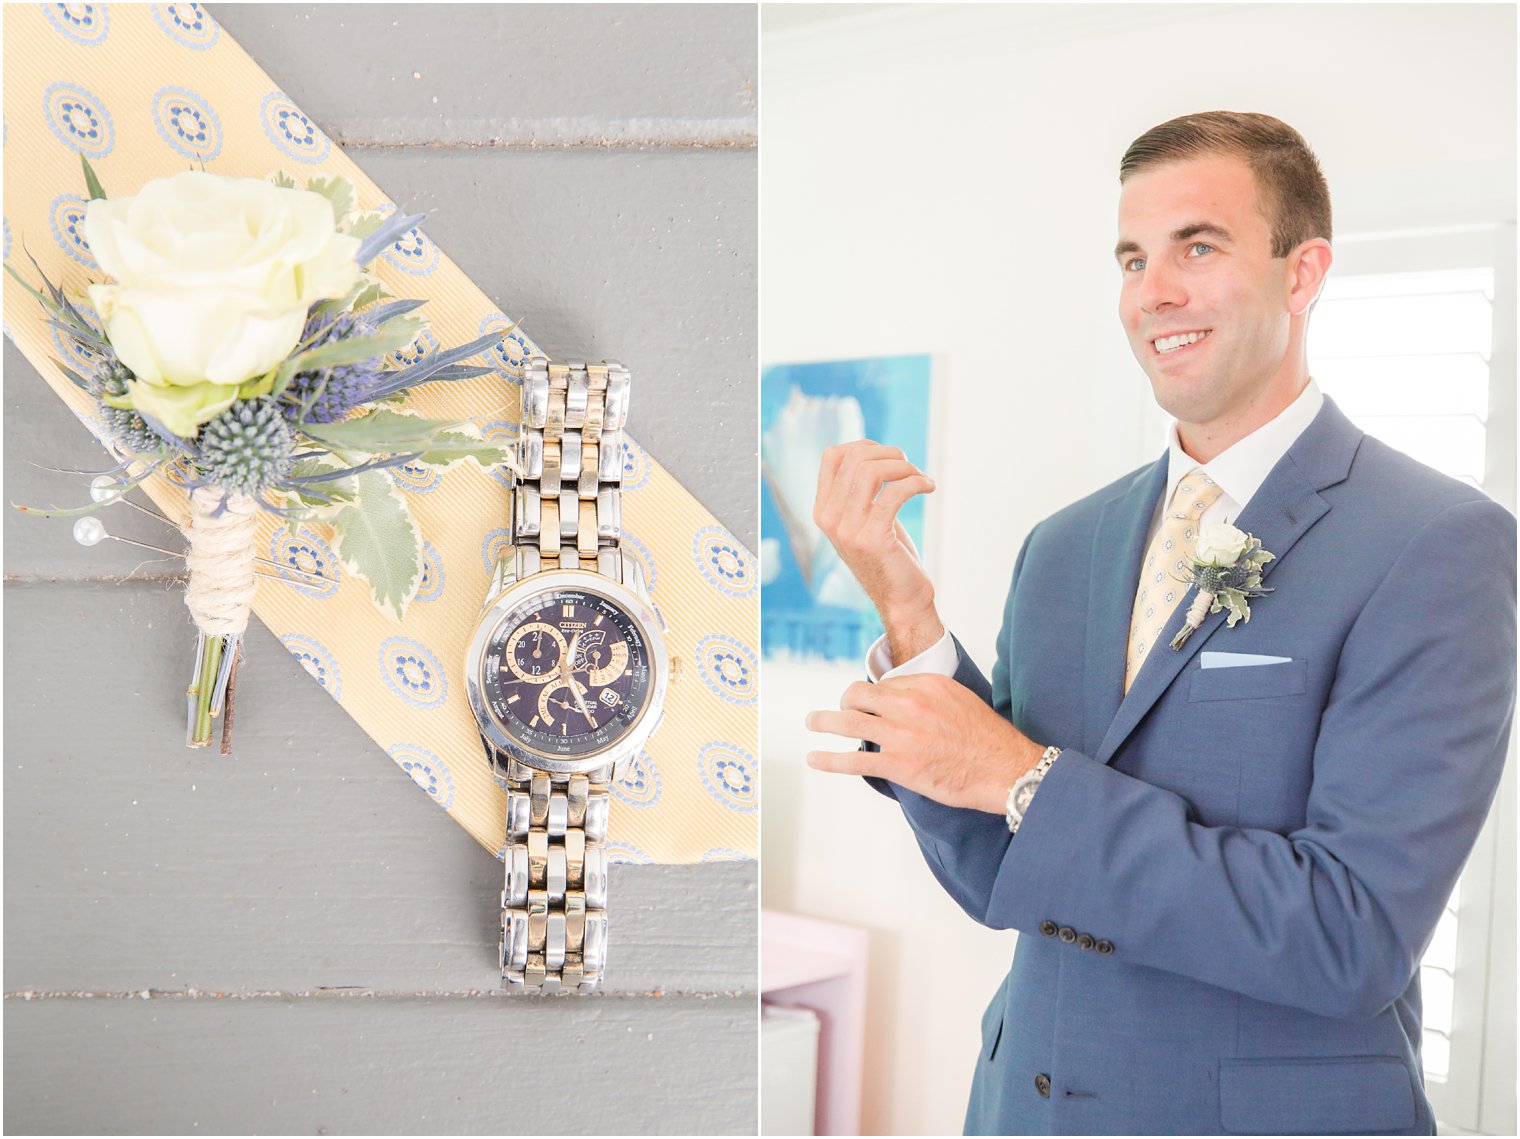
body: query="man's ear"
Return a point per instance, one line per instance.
(1308, 264)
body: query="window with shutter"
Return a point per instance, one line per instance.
(1423, 359)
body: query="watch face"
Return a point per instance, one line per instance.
(566, 673)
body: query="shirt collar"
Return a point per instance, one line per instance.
(1242, 468)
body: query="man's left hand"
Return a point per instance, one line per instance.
(936, 736)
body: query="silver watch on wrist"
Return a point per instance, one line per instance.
(566, 672)
(1020, 794)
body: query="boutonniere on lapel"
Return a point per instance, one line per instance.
(1227, 572)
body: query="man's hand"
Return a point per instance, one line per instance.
(861, 487)
(936, 736)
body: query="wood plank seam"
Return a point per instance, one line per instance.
(635, 134)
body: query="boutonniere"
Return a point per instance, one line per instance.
(243, 348)
(1227, 572)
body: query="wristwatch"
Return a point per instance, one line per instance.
(1022, 792)
(566, 672)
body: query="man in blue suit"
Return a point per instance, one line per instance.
(1225, 852)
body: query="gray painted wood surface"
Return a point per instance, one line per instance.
(315, 938)
(333, 1065)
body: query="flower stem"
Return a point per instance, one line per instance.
(229, 698)
(192, 693)
(208, 660)
(1195, 615)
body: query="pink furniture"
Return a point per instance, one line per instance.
(821, 966)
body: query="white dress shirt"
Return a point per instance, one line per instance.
(1239, 471)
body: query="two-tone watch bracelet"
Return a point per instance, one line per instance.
(567, 509)
(566, 514)
(554, 908)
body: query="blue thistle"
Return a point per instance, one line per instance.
(110, 377)
(246, 448)
(127, 429)
(339, 389)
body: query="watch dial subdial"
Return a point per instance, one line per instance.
(534, 652)
(605, 663)
(558, 708)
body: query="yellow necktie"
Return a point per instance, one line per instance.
(1166, 570)
(148, 90)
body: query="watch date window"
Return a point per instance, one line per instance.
(610, 698)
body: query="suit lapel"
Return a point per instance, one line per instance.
(1118, 546)
(1280, 513)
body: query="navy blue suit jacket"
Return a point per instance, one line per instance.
(1226, 882)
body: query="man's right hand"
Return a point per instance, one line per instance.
(861, 487)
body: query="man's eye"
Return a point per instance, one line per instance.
(1134, 263)
(1203, 245)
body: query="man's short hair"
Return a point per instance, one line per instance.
(1293, 192)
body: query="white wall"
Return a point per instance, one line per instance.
(945, 180)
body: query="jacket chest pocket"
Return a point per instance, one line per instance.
(1249, 682)
(1237, 743)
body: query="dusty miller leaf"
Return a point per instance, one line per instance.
(366, 224)
(372, 292)
(450, 447)
(378, 539)
(365, 291)
(340, 490)
(382, 432)
(1235, 602)
(337, 190)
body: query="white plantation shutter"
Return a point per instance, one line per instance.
(1438, 971)
(1411, 340)
(1406, 356)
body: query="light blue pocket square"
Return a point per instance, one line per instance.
(1237, 660)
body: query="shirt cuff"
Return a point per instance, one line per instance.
(941, 657)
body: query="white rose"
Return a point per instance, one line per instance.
(1220, 544)
(213, 280)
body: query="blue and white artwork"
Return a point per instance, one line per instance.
(811, 607)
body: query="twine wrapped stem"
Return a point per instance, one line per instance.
(222, 581)
(219, 596)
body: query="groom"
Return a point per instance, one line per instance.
(1225, 859)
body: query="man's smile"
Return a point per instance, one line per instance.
(1178, 341)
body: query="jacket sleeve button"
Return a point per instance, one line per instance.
(1042, 1085)
(1105, 947)
(1068, 934)
(1048, 928)
(1085, 941)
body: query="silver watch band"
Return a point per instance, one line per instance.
(1012, 813)
(567, 509)
(554, 907)
(566, 514)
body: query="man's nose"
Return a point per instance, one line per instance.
(1160, 288)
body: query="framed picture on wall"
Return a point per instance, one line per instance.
(812, 608)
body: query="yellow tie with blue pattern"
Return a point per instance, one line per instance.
(1165, 572)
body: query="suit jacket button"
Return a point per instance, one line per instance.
(1086, 941)
(1048, 928)
(1068, 934)
(1042, 1085)
(1105, 947)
